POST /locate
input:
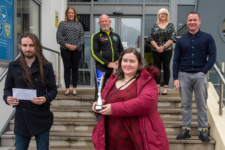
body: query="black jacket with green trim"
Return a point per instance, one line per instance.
(105, 49)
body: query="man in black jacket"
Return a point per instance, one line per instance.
(105, 48)
(31, 72)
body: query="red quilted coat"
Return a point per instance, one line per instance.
(144, 106)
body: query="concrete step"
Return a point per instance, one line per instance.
(193, 143)
(85, 143)
(80, 91)
(74, 122)
(56, 141)
(175, 114)
(73, 113)
(87, 101)
(87, 113)
(73, 101)
(78, 128)
(174, 128)
(69, 128)
(91, 91)
(172, 102)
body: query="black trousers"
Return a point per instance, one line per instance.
(164, 58)
(71, 61)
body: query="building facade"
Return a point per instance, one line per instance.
(131, 19)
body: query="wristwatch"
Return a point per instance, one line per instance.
(164, 46)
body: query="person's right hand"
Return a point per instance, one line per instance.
(12, 101)
(71, 47)
(177, 84)
(113, 65)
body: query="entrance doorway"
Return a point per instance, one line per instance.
(129, 29)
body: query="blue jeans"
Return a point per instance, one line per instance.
(197, 83)
(42, 141)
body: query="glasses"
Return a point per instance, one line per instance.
(163, 13)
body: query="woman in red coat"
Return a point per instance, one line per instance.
(130, 120)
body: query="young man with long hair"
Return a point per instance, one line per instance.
(31, 71)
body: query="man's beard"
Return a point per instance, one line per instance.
(105, 28)
(29, 56)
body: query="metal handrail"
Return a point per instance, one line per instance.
(59, 64)
(222, 83)
(6, 70)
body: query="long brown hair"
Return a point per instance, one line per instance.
(75, 14)
(26, 76)
(141, 62)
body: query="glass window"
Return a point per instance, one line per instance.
(182, 17)
(84, 75)
(85, 62)
(131, 32)
(186, 1)
(34, 19)
(150, 20)
(84, 78)
(79, 0)
(131, 1)
(85, 21)
(28, 18)
(106, 1)
(157, 1)
(22, 17)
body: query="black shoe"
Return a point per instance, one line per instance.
(203, 135)
(164, 93)
(66, 94)
(184, 134)
(74, 94)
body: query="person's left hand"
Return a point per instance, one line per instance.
(74, 47)
(39, 100)
(161, 49)
(107, 110)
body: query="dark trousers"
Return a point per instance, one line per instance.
(42, 141)
(164, 58)
(107, 75)
(71, 61)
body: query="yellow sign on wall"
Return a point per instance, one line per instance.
(56, 18)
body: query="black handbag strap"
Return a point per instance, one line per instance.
(120, 88)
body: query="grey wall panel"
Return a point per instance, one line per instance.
(82, 9)
(211, 13)
(152, 9)
(125, 9)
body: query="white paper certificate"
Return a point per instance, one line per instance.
(24, 94)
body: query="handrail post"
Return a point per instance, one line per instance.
(59, 71)
(221, 92)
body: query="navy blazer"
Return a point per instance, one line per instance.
(30, 118)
